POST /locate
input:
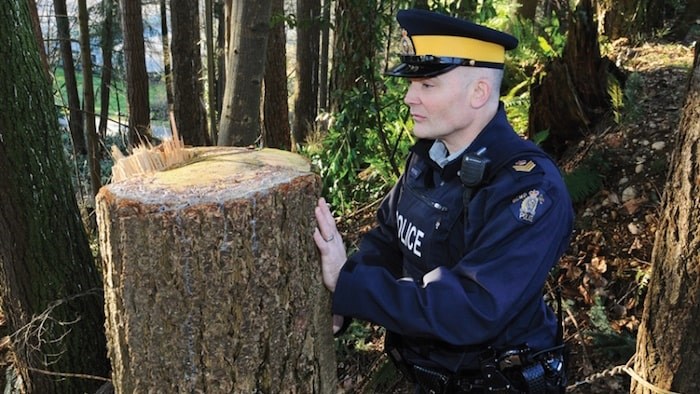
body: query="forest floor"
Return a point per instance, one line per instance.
(605, 271)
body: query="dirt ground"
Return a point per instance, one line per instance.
(605, 271)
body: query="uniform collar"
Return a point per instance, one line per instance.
(439, 154)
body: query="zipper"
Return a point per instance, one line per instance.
(433, 204)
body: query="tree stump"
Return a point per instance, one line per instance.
(569, 96)
(211, 277)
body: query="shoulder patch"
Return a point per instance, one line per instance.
(524, 165)
(529, 205)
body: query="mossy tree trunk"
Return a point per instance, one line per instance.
(668, 339)
(50, 289)
(212, 280)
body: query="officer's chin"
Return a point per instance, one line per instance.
(422, 131)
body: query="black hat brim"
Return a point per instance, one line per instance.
(407, 70)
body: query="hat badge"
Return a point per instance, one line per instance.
(406, 44)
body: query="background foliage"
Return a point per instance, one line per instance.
(362, 154)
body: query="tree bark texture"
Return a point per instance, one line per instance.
(36, 27)
(668, 339)
(571, 93)
(50, 289)
(107, 44)
(93, 146)
(136, 75)
(307, 56)
(188, 91)
(276, 130)
(247, 32)
(632, 19)
(211, 277)
(211, 56)
(615, 17)
(324, 60)
(167, 63)
(354, 46)
(75, 115)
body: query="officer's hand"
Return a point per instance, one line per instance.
(330, 244)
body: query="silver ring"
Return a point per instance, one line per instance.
(330, 239)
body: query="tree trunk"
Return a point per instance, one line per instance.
(167, 63)
(50, 289)
(211, 277)
(75, 115)
(221, 57)
(93, 146)
(188, 93)
(136, 75)
(324, 60)
(354, 44)
(276, 131)
(211, 68)
(248, 30)
(616, 17)
(667, 340)
(36, 27)
(528, 9)
(630, 18)
(107, 45)
(649, 16)
(306, 92)
(571, 95)
(684, 24)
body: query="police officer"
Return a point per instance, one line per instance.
(456, 266)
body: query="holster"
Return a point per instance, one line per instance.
(517, 371)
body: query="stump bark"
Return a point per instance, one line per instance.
(211, 277)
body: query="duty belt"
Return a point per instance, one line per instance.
(511, 371)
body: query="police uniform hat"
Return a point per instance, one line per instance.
(434, 43)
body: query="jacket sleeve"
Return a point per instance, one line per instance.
(519, 226)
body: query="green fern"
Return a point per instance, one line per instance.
(517, 105)
(582, 183)
(585, 180)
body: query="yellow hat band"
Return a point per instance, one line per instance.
(462, 47)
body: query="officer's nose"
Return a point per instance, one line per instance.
(411, 97)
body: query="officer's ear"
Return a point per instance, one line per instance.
(481, 93)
